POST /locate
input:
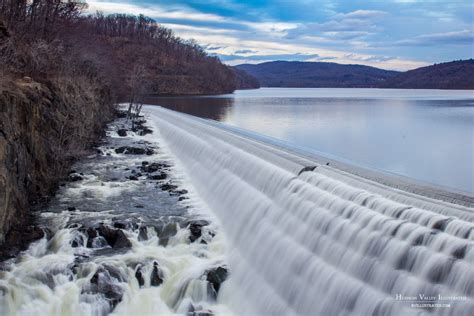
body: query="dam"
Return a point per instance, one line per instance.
(195, 217)
(312, 236)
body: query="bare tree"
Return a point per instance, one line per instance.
(138, 88)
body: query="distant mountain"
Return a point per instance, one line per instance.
(316, 74)
(450, 75)
(244, 80)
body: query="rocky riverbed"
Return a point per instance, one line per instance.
(123, 235)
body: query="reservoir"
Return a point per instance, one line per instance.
(427, 135)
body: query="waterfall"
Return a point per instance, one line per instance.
(308, 239)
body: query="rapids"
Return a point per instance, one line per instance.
(124, 237)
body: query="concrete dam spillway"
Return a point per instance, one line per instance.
(306, 238)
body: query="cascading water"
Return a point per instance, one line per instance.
(124, 238)
(319, 241)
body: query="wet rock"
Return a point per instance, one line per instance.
(160, 176)
(142, 233)
(128, 150)
(115, 237)
(195, 227)
(122, 132)
(122, 241)
(178, 192)
(71, 208)
(102, 282)
(144, 163)
(122, 225)
(441, 224)
(139, 206)
(78, 241)
(139, 276)
(133, 178)
(460, 252)
(98, 242)
(168, 187)
(156, 277)
(168, 231)
(215, 277)
(75, 178)
(153, 167)
(145, 131)
(149, 151)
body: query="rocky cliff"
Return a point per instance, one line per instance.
(43, 128)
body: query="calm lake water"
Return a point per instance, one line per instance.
(427, 135)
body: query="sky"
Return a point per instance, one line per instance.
(389, 34)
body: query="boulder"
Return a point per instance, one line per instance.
(75, 178)
(168, 231)
(122, 241)
(122, 225)
(122, 132)
(215, 277)
(142, 233)
(115, 237)
(195, 228)
(139, 276)
(102, 282)
(128, 150)
(159, 176)
(153, 167)
(156, 277)
(144, 131)
(168, 187)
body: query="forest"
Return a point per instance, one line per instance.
(51, 37)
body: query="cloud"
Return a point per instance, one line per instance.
(464, 37)
(362, 14)
(342, 26)
(371, 58)
(156, 12)
(209, 47)
(245, 51)
(269, 57)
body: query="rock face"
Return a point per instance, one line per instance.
(41, 133)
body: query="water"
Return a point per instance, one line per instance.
(427, 135)
(73, 271)
(292, 241)
(322, 242)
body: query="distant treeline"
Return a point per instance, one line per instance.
(126, 51)
(451, 75)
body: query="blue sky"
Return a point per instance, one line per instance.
(391, 34)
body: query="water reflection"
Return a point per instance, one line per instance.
(205, 107)
(426, 135)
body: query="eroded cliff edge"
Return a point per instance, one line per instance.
(44, 127)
